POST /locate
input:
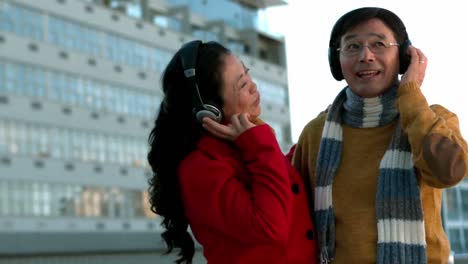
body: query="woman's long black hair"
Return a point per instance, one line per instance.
(175, 134)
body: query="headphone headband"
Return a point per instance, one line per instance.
(188, 58)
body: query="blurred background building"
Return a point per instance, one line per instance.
(455, 217)
(79, 90)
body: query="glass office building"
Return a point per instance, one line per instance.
(455, 216)
(79, 90)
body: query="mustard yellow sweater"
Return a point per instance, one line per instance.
(440, 155)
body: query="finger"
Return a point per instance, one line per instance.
(413, 52)
(220, 134)
(244, 119)
(217, 129)
(418, 59)
(421, 57)
(210, 122)
(236, 122)
(214, 131)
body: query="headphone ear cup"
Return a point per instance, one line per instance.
(404, 57)
(334, 61)
(209, 111)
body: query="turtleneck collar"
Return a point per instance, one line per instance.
(370, 112)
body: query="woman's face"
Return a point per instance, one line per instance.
(240, 94)
(369, 73)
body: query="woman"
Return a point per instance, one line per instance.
(219, 169)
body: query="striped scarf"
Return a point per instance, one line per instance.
(400, 223)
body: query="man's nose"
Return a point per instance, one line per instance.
(366, 54)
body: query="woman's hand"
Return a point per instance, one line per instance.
(417, 67)
(239, 124)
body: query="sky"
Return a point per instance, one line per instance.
(438, 30)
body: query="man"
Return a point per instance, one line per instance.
(376, 162)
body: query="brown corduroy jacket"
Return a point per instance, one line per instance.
(440, 156)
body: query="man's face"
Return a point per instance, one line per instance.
(369, 73)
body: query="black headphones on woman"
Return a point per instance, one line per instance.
(188, 58)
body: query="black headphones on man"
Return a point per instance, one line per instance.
(334, 54)
(188, 58)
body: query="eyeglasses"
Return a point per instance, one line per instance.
(351, 49)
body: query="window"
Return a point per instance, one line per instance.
(464, 201)
(452, 204)
(3, 140)
(272, 92)
(22, 21)
(37, 199)
(71, 35)
(455, 240)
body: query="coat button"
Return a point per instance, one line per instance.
(295, 188)
(310, 234)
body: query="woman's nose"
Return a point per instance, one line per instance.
(253, 88)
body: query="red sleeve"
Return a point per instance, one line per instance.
(214, 195)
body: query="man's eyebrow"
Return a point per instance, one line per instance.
(373, 34)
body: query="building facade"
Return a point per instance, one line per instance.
(79, 90)
(455, 216)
